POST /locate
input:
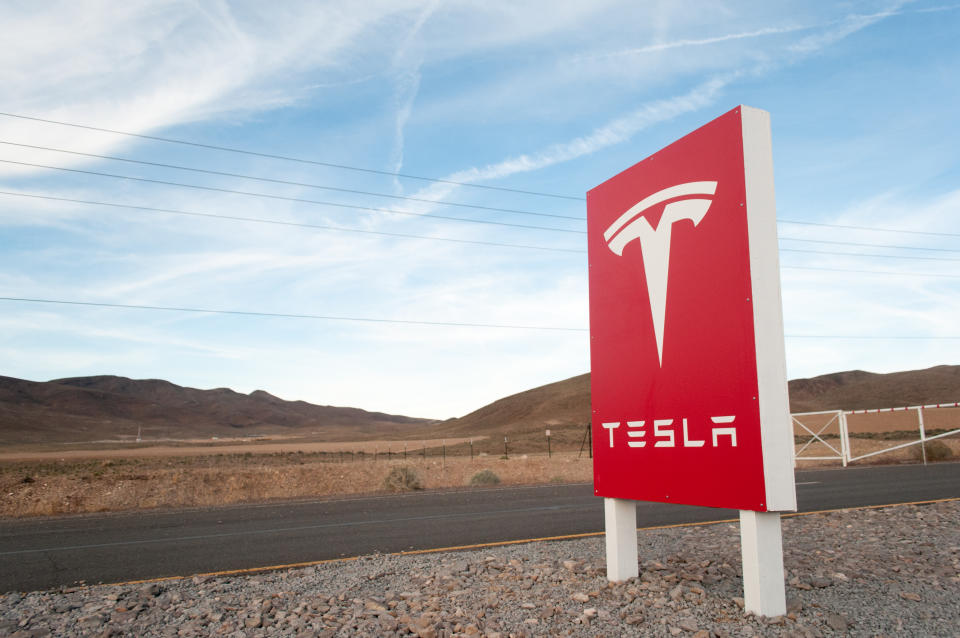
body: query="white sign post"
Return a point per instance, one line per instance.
(620, 522)
(762, 550)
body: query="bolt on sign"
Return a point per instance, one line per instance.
(689, 387)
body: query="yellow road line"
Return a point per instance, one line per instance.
(314, 563)
(497, 544)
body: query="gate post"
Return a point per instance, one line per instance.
(844, 440)
(793, 441)
(923, 435)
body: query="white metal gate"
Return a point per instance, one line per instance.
(918, 417)
(812, 428)
(815, 432)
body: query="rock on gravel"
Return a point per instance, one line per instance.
(900, 569)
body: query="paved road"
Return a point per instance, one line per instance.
(51, 552)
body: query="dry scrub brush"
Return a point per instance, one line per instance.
(935, 451)
(402, 479)
(485, 477)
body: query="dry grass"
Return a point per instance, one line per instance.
(69, 487)
(267, 445)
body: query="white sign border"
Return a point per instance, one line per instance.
(776, 432)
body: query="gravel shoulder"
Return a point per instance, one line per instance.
(893, 571)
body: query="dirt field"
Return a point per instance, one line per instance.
(206, 448)
(75, 486)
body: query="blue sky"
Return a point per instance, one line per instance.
(553, 97)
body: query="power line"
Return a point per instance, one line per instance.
(257, 220)
(293, 199)
(405, 321)
(429, 179)
(881, 230)
(877, 337)
(408, 198)
(871, 272)
(851, 243)
(445, 217)
(417, 177)
(287, 158)
(290, 183)
(397, 212)
(284, 315)
(827, 252)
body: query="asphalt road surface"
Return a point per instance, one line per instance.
(52, 552)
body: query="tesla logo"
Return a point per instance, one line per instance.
(655, 242)
(666, 436)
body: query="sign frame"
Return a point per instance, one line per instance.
(719, 277)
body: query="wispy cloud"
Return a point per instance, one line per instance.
(141, 66)
(613, 132)
(407, 61)
(690, 42)
(841, 29)
(625, 127)
(830, 32)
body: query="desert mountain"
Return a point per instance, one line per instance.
(856, 389)
(562, 407)
(113, 408)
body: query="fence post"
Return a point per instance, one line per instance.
(844, 440)
(424, 444)
(793, 444)
(923, 435)
(404, 451)
(471, 450)
(506, 455)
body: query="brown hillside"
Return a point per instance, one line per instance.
(562, 407)
(113, 408)
(554, 405)
(856, 389)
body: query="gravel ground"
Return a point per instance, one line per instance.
(869, 572)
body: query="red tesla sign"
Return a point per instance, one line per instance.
(688, 374)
